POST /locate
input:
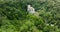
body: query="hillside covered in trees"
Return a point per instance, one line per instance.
(15, 18)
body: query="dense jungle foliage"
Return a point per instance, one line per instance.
(15, 18)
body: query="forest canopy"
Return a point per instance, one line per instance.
(15, 18)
